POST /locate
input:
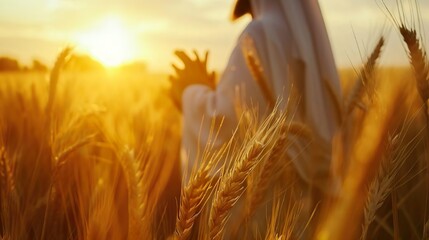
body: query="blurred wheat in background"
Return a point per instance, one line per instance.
(96, 156)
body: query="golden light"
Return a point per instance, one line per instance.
(110, 42)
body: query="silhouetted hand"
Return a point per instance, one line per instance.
(194, 72)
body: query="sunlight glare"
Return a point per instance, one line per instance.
(110, 42)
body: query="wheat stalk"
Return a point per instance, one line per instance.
(138, 227)
(394, 159)
(418, 61)
(231, 188)
(257, 71)
(11, 217)
(198, 188)
(275, 163)
(232, 185)
(53, 82)
(193, 197)
(365, 76)
(380, 188)
(396, 153)
(7, 181)
(61, 158)
(61, 59)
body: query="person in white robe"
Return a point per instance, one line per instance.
(283, 33)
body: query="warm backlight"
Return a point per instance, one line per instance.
(110, 42)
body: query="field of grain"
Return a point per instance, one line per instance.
(96, 156)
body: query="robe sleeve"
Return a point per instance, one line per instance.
(207, 112)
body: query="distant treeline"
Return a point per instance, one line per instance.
(8, 64)
(76, 62)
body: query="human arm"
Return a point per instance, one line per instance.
(194, 72)
(208, 111)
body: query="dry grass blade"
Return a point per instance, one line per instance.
(365, 76)
(232, 185)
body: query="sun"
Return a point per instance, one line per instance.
(110, 42)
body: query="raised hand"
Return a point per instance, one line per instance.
(194, 72)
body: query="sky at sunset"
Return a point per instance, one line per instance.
(151, 30)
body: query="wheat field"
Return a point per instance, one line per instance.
(97, 156)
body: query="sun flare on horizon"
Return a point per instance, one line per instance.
(109, 42)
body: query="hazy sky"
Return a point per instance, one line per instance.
(39, 28)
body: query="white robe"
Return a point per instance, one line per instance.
(282, 31)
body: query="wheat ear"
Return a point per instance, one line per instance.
(257, 71)
(275, 163)
(139, 225)
(193, 197)
(380, 188)
(419, 62)
(365, 76)
(61, 158)
(7, 181)
(10, 208)
(232, 185)
(53, 82)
